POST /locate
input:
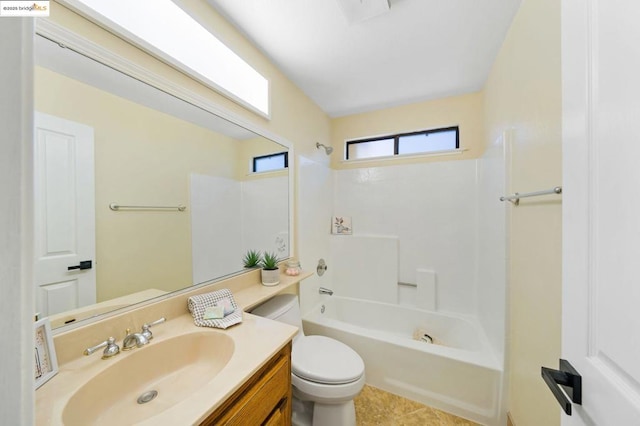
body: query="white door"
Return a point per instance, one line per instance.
(64, 215)
(601, 207)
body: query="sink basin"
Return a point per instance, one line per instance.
(175, 368)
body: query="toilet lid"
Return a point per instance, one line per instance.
(324, 360)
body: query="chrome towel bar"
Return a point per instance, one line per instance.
(116, 207)
(515, 198)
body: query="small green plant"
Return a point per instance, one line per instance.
(269, 261)
(251, 259)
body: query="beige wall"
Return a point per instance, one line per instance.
(464, 111)
(523, 93)
(142, 157)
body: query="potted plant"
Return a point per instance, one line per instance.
(270, 271)
(251, 259)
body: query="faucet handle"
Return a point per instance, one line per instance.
(111, 348)
(156, 322)
(145, 328)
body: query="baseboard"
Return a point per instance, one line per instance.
(510, 420)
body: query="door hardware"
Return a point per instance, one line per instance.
(564, 382)
(85, 264)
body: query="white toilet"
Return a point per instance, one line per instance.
(325, 374)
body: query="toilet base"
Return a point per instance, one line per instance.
(334, 414)
(301, 412)
(308, 413)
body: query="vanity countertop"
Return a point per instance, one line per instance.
(255, 341)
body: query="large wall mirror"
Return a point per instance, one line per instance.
(141, 193)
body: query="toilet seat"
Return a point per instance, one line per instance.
(323, 360)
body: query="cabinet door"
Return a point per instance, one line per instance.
(265, 399)
(277, 418)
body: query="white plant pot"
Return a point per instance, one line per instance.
(270, 278)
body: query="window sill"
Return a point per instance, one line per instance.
(406, 156)
(268, 173)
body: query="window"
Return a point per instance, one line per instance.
(188, 46)
(413, 143)
(271, 162)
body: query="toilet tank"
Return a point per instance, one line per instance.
(283, 308)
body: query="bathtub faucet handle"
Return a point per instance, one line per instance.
(323, 290)
(321, 268)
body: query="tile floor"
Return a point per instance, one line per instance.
(380, 408)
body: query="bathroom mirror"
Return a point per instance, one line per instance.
(176, 199)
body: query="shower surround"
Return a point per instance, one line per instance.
(429, 242)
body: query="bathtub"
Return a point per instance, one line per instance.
(459, 373)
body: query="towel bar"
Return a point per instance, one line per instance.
(116, 207)
(515, 198)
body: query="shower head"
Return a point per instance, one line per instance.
(327, 149)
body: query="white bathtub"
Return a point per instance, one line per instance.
(461, 375)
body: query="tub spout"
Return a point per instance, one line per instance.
(323, 290)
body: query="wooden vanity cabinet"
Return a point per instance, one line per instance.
(263, 400)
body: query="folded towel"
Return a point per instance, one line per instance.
(198, 305)
(226, 305)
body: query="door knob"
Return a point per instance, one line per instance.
(85, 264)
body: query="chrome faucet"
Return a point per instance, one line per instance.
(137, 340)
(323, 290)
(110, 348)
(133, 340)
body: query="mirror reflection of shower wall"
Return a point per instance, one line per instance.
(147, 157)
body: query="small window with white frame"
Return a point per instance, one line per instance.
(401, 144)
(270, 162)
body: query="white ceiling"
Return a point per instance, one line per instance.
(418, 50)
